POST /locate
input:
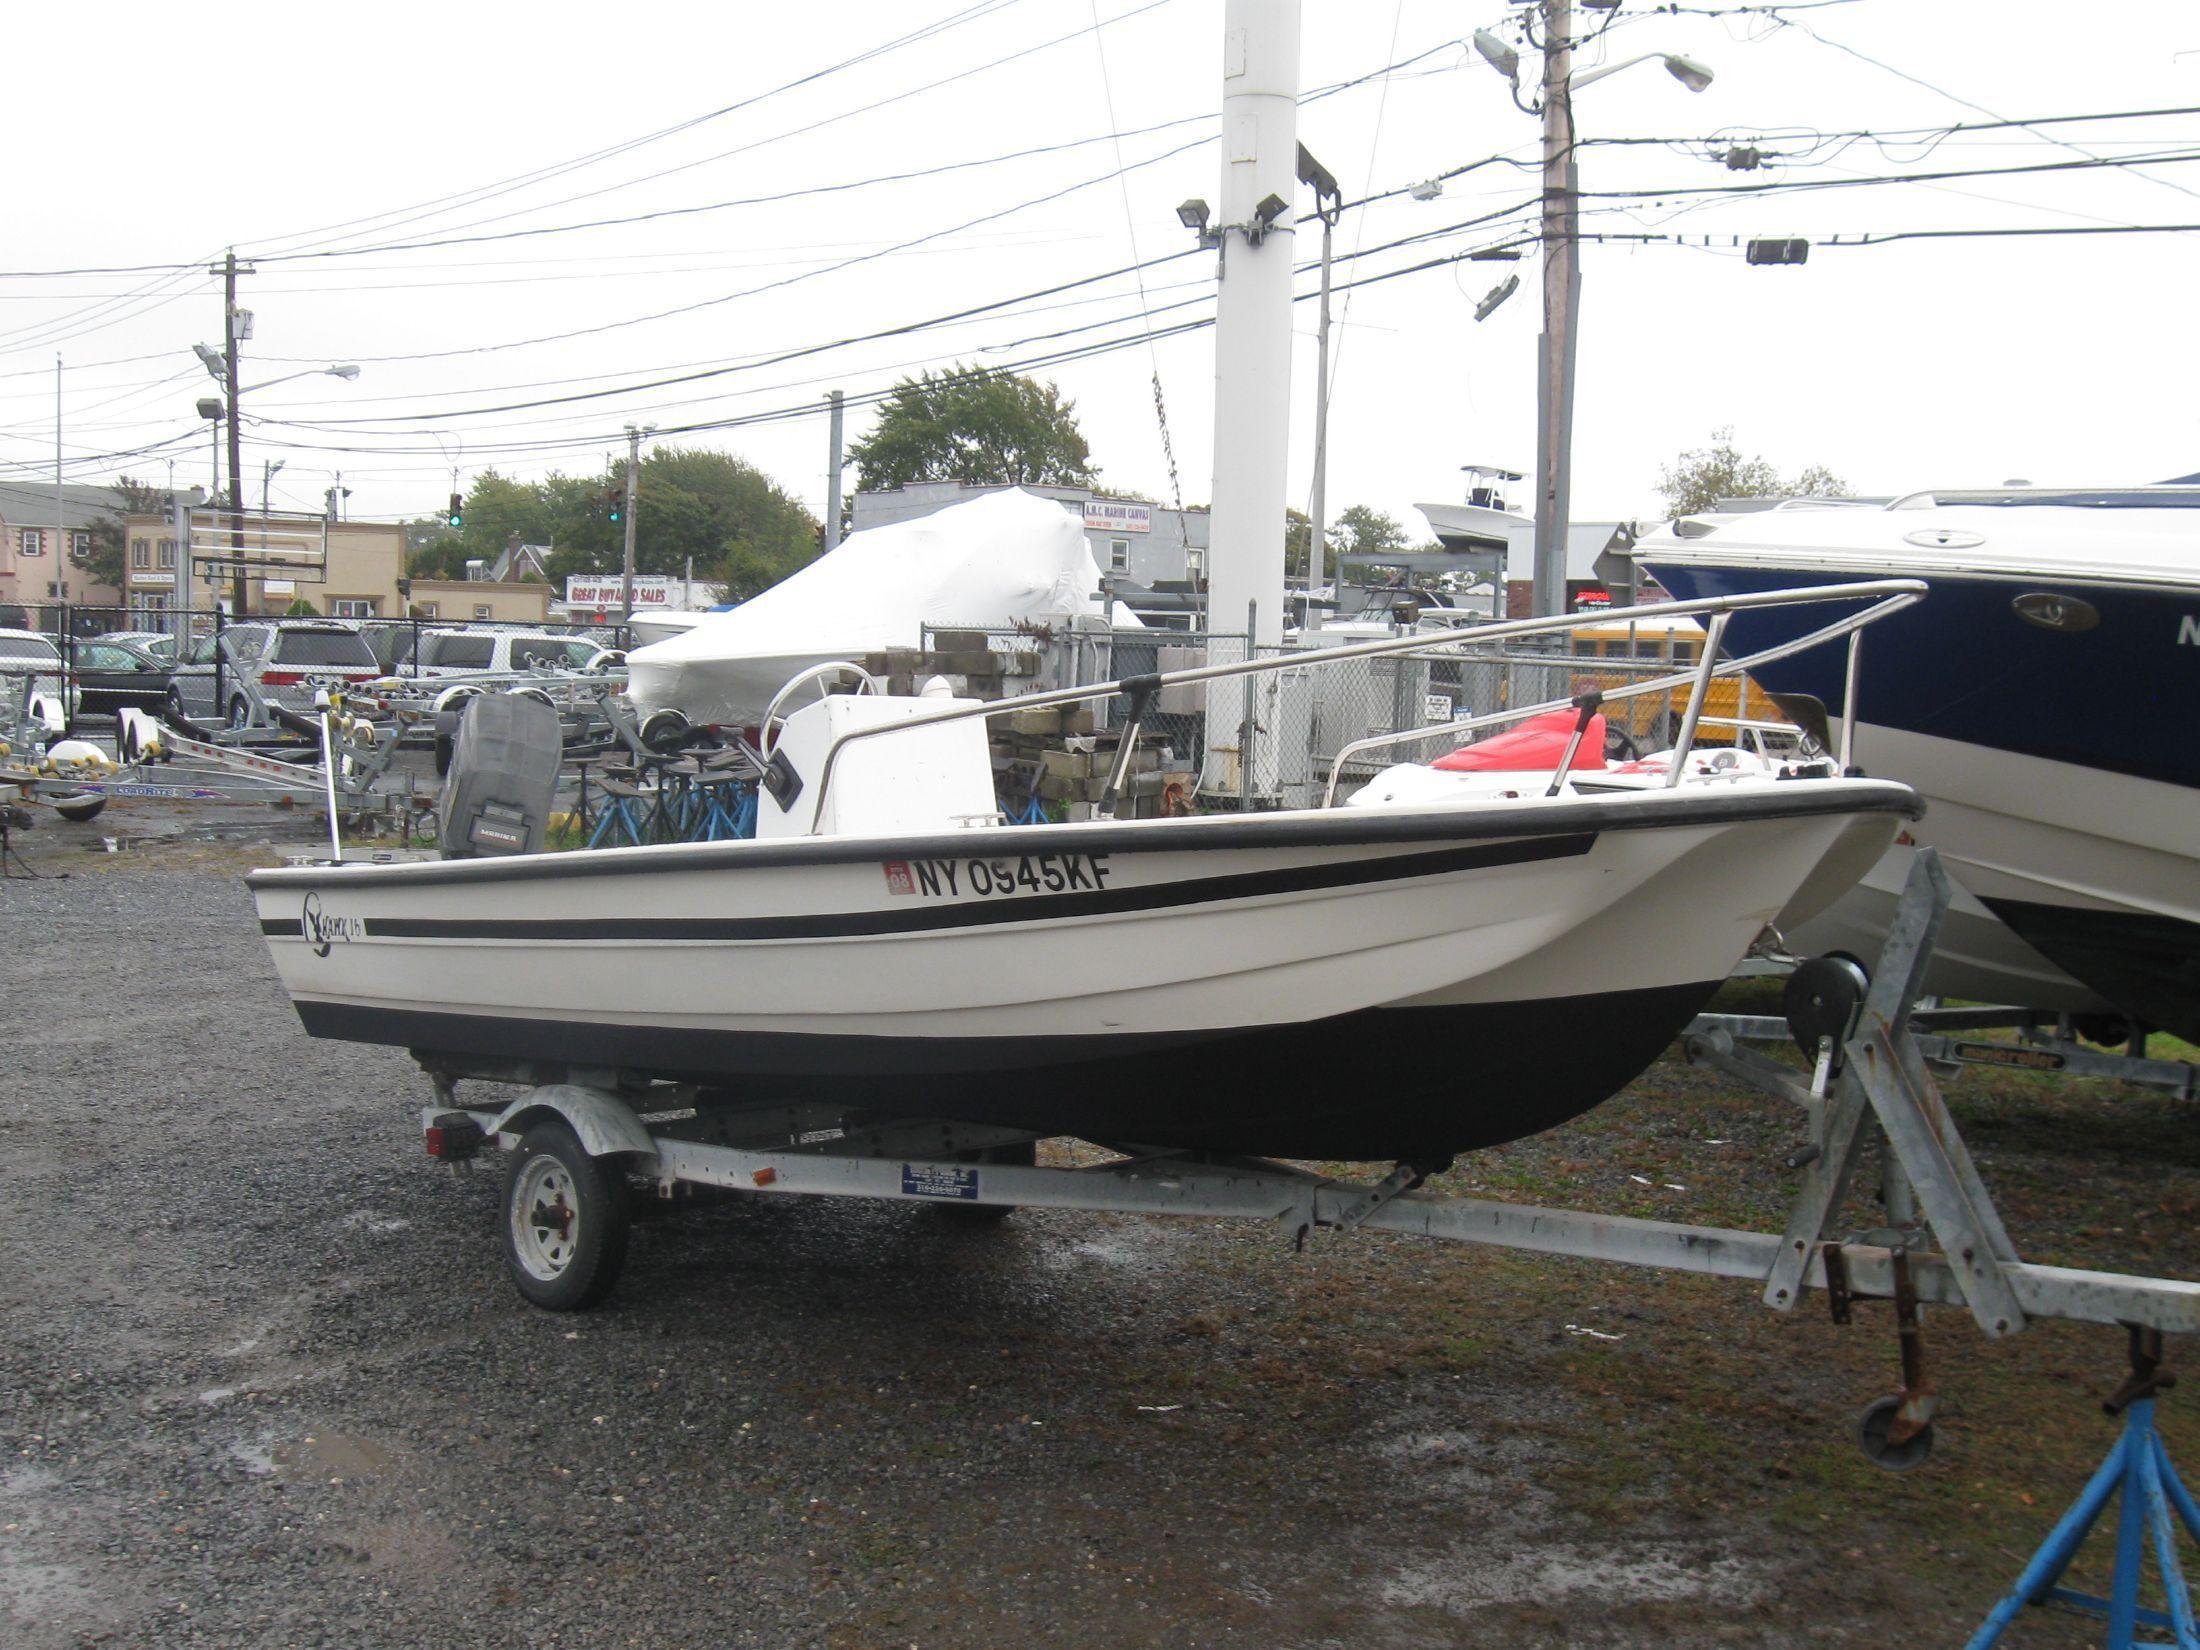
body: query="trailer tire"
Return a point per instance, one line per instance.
(566, 1217)
(240, 713)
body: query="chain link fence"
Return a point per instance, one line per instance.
(1272, 740)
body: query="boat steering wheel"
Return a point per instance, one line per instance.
(767, 730)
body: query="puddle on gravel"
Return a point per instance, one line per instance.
(1572, 1573)
(365, 1220)
(324, 1455)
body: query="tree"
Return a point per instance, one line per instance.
(733, 521)
(107, 557)
(973, 425)
(443, 559)
(1703, 476)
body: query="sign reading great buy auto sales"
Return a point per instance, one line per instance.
(595, 591)
(1109, 515)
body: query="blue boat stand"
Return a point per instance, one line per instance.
(2138, 1476)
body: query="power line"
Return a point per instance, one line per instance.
(505, 186)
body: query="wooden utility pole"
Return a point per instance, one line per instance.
(236, 473)
(1554, 402)
(633, 486)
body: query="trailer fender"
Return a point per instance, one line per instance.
(605, 1124)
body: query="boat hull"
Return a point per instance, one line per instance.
(1221, 984)
(2069, 813)
(1977, 957)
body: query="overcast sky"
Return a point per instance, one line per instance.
(159, 135)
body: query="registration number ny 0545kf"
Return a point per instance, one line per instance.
(1004, 875)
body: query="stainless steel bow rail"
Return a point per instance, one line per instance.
(1886, 596)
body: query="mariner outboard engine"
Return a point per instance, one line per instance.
(504, 774)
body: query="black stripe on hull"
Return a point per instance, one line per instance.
(2148, 966)
(913, 918)
(1377, 1085)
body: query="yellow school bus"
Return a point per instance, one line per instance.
(1647, 648)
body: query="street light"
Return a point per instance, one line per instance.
(347, 373)
(1686, 70)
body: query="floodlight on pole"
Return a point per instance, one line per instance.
(211, 359)
(1265, 214)
(1193, 214)
(1497, 54)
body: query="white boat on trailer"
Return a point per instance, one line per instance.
(1202, 984)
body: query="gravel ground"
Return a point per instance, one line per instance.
(263, 1383)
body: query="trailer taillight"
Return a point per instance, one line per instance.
(452, 1137)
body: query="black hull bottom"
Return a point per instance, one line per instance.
(1418, 1084)
(2147, 966)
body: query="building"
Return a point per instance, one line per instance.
(37, 553)
(357, 578)
(509, 601)
(1148, 544)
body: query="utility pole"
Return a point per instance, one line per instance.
(1554, 401)
(833, 464)
(60, 530)
(1328, 205)
(633, 486)
(236, 471)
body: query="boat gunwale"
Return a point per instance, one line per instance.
(1297, 828)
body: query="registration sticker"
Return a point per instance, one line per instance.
(898, 879)
(939, 1180)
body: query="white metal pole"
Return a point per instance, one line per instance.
(1260, 79)
(1561, 313)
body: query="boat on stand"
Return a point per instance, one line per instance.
(1209, 984)
(2037, 701)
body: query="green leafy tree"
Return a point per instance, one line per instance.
(1699, 478)
(736, 524)
(443, 559)
(973, 425)
(1362, 527)
(106, 558)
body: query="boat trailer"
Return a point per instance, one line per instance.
(584, 1142)
(162, 760)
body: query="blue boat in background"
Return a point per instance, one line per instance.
(2045, 699)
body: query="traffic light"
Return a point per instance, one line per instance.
(458, 510)
(615, 504)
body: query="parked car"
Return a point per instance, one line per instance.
(110, 675)
(161, 644)
(505, 652)
(268, 662)
(27, 656)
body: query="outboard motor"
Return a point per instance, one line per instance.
(504, 775)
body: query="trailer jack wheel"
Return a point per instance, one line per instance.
(1875, 1428)
(565, 1220)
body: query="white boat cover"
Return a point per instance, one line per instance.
(998, 559)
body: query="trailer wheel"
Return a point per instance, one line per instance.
(565, 1220)
(1873, 1427)
(240, 713)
